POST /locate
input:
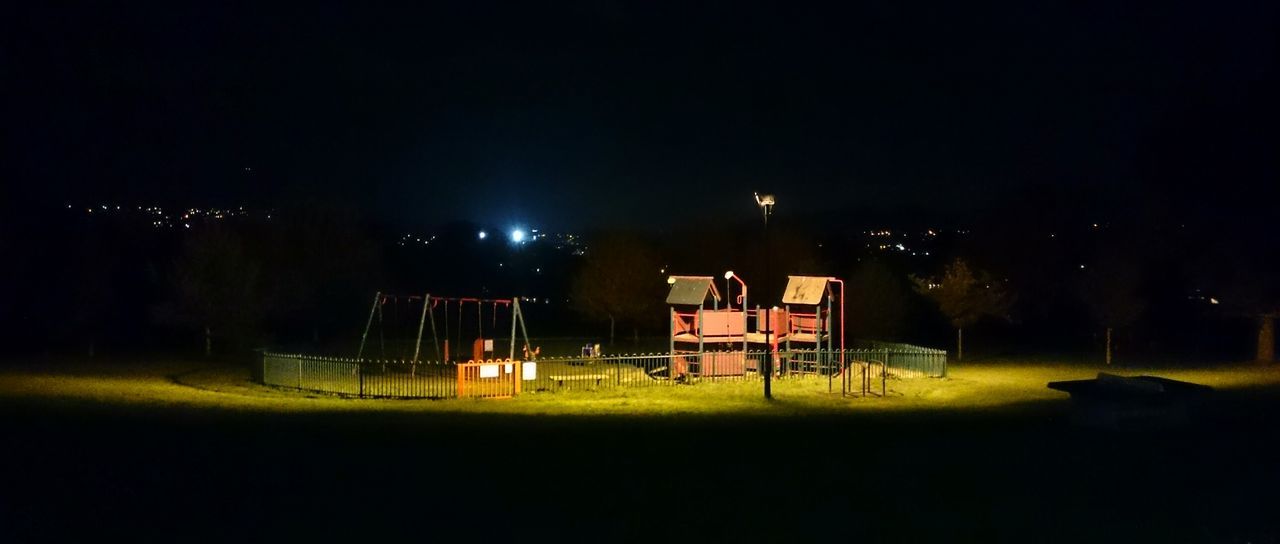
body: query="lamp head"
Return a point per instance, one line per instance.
(728, 275)
(671, 280)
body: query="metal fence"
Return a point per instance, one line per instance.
(360, 378)
(906, 360)
(856, 371)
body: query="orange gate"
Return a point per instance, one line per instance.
(493, 378)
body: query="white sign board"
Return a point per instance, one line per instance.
(490, 371)
(488, 344)
(529, 371)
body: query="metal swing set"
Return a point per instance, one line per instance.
(480, 343)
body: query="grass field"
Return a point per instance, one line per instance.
(175, 451)
(985, 386)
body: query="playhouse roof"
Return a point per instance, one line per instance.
(691, 290)
(804, 289)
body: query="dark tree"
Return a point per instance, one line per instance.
(91, 290)
(1110, 289)
(215, 289)
(965, 296)
(620, 280)
(319, 267)
(1253, 291)
(877, 302)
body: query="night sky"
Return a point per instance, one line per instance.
(640, 114)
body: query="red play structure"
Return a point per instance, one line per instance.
(694, 326)
(808, 323)
(714, 341)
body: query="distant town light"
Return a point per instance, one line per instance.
(517, 236)
(483, 235)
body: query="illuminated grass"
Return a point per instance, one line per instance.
(984, 386)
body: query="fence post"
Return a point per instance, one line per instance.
(298, 358)
(517, 372)
(884, 372)
(360, 376)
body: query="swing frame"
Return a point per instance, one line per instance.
(429, 302)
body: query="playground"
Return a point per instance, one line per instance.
(410, 348)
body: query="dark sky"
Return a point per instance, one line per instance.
(642, 113)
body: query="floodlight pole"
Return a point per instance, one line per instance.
(766, 204)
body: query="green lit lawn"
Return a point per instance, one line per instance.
(975, 386)
(184, 452)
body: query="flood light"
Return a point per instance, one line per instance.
(517, 236)
(483, 235)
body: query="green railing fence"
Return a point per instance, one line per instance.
(855, 371)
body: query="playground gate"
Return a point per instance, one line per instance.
(494, 378)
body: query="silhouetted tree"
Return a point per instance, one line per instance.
(318, 268)
(620, 280)
(215, 289)
(92, 295)
(1110, 291)
(877, 302)
(965, 296)
(1254, 292)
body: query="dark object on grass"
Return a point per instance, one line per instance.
(1119, 402)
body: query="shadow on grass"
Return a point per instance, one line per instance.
(1013, 472)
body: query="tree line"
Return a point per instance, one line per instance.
(307, 278)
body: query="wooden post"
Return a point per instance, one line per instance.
(1267, 339)
(671, 337)
(517, 371)
(1108, 346)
